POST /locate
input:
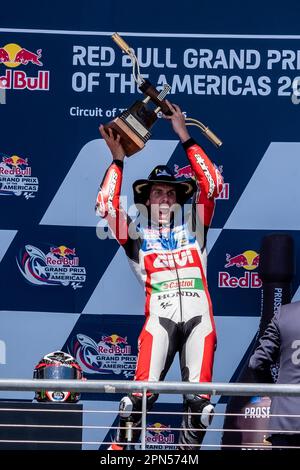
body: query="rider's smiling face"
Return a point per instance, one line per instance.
(161, 199)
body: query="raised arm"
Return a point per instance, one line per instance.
(208, 176)
(108, 198)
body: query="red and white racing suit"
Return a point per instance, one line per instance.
(171, 263)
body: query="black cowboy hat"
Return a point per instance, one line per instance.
(163, 174)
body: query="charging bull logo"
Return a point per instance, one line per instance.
(111, 355)
(15, 162)
(184, 171)
(159, 436)
(114, 339)
(249, 261)
(58, 267)
(62, 251)
(13, 56)
(187, 172)
(158, 428)
(24, 57)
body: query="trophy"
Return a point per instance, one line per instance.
(134, 124)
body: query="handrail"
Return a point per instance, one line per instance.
(120, 386)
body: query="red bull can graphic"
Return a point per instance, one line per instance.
(13, 56)
(249, 261)
(16, 178)
(40, 268)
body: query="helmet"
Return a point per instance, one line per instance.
(57, 365)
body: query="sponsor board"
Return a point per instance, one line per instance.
(16, 177)
(60, 266)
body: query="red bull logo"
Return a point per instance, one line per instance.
(159, 433)
(185, 171)
(114, 339)
(13, 56)
(16, 178)
(248, 260)
(62, 255)
(40, 268)
(24, 57)
(107, 356)
(116, 345)
(62, 250)
(4, 56)
(15, 161)
(158, 428)
(15, 165)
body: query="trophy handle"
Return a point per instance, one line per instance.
(121, 43)
(205, 130)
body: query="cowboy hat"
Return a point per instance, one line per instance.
(163, 174)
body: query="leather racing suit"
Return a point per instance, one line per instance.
(171, 263)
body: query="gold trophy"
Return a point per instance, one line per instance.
(134, 124)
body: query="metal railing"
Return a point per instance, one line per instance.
(120, 386)
(113, 387)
